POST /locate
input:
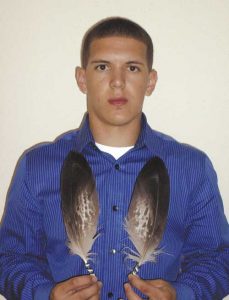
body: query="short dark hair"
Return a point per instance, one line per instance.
(116, 26)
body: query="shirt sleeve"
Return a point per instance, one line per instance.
(24, 270)
(205, 261)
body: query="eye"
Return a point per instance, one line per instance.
(134, 68)
(101, 67)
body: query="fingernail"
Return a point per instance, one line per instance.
(126, 286)
(94, 278)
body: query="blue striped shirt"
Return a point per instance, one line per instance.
(33, 251)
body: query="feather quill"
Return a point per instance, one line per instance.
(80, 207)
(147, 213)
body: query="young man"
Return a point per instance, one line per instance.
(35, 263)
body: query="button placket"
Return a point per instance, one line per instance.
(115, 208)
(110, 295)
(117, 167)
(113, 251)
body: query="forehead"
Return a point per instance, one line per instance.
(117, 47)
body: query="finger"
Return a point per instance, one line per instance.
(144, 286)
(89, 292)
(130, 294)
(97, 297)
(159, 283)
(165, 288)
(79, 282)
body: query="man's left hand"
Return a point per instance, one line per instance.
(153, 289)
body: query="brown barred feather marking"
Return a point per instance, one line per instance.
(80, 207)
(147, 214)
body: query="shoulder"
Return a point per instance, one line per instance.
(182, 159)
(47, 154)
(172, 147)
(63, 140)
(189, 167)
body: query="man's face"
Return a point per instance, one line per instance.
(116, 80)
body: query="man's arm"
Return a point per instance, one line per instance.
(24, 270)
(205, 263)
(23, 267)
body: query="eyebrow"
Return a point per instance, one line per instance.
(134, 63)
(108, 62)
(100, 61)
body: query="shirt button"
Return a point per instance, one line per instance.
(110, 295)
(113, 251)
(117, 167)
(115, 208)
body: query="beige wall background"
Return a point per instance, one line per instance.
(39, 49)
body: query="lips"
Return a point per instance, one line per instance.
(118, 101)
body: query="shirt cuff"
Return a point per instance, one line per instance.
(183, 291)
(43, 291)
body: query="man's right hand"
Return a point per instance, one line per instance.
(77, 288)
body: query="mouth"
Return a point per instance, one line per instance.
(118, 101)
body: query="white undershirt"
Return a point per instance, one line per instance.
(116, 152)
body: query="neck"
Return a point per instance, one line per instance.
(116, 136)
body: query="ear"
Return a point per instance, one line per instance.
(80, 75)
(151, 82)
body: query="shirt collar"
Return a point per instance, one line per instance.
(147, 136)
(85, 136)
(141, 141)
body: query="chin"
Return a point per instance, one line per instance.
(122, 120)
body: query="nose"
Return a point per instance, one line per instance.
(117, 79)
